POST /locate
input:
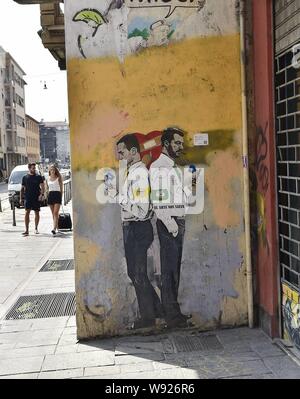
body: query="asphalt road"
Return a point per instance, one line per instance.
(3, 188)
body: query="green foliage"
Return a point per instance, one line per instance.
(137, 32)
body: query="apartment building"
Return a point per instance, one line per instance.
(32, 139)
(2, 115)
(55, 142)
(14, 141)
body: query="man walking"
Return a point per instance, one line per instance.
(33, 191)
(168, 195)
(136, 214)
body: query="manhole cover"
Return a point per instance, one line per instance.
(43, 306)
(58, 265)
(189, 343)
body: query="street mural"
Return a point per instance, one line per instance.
(142, 199)
(155, 115)
(291, 314)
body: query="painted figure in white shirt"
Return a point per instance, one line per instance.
(168, 195)
(136, 213)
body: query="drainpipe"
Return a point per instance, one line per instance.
(246, 166)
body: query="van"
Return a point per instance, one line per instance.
(15, 182)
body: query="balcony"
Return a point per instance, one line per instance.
(53, 29)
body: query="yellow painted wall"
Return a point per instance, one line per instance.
(192, 83)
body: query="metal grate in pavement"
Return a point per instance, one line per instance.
(43, 306)
(192, 343)
(58, 265)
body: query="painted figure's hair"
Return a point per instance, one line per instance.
(169, 133)
(130, 141)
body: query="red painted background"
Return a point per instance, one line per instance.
(267, 251)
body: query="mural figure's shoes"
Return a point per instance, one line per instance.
(178, 322)
(143, 323)
(187, 316)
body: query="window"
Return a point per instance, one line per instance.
(20, 101)
(20, 121)
(19, 80)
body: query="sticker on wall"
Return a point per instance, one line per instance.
(201, 139)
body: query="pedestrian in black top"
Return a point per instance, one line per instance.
(33, 192)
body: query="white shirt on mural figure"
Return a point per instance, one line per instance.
(134, 194)
(168, 194)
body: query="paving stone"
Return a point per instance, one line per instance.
(6, 347)
(147, 357)
(139, 349)
(164, 365)
(61, 374)
(17, 366)
(71, 322)
(283, 367)
(28, 376)
(70, 339)
(267, 350)
(233, 356)
(253, 377)
(236, 346)
(15, 325)
(153, 375)
(78, 360)
(49, 323)
(137, 368)
(66, 349)
(28, 352)
(93, 345)
(194, 374)
(69, 331)
(102, 371)
(227, 368)
(37, 338)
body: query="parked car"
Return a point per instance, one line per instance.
(15, 183)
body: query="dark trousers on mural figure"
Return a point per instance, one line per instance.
(170, 259)
(138, 236)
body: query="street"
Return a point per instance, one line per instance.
(3, 188)
(4, 197)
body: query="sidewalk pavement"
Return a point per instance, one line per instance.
(48, 348)
(20, 257)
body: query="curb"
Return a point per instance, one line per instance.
(290, 351)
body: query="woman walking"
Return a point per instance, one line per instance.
(55, 184)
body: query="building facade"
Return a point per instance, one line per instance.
(2, 117)
(48, 147)
(55, 142)
(268, 129)
(14, 101)
(32, 139)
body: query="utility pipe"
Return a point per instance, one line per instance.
(246, 166)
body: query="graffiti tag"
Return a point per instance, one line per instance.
(263, 175)
(261, 155)
(170, 4)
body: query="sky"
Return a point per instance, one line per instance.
(19, 25)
